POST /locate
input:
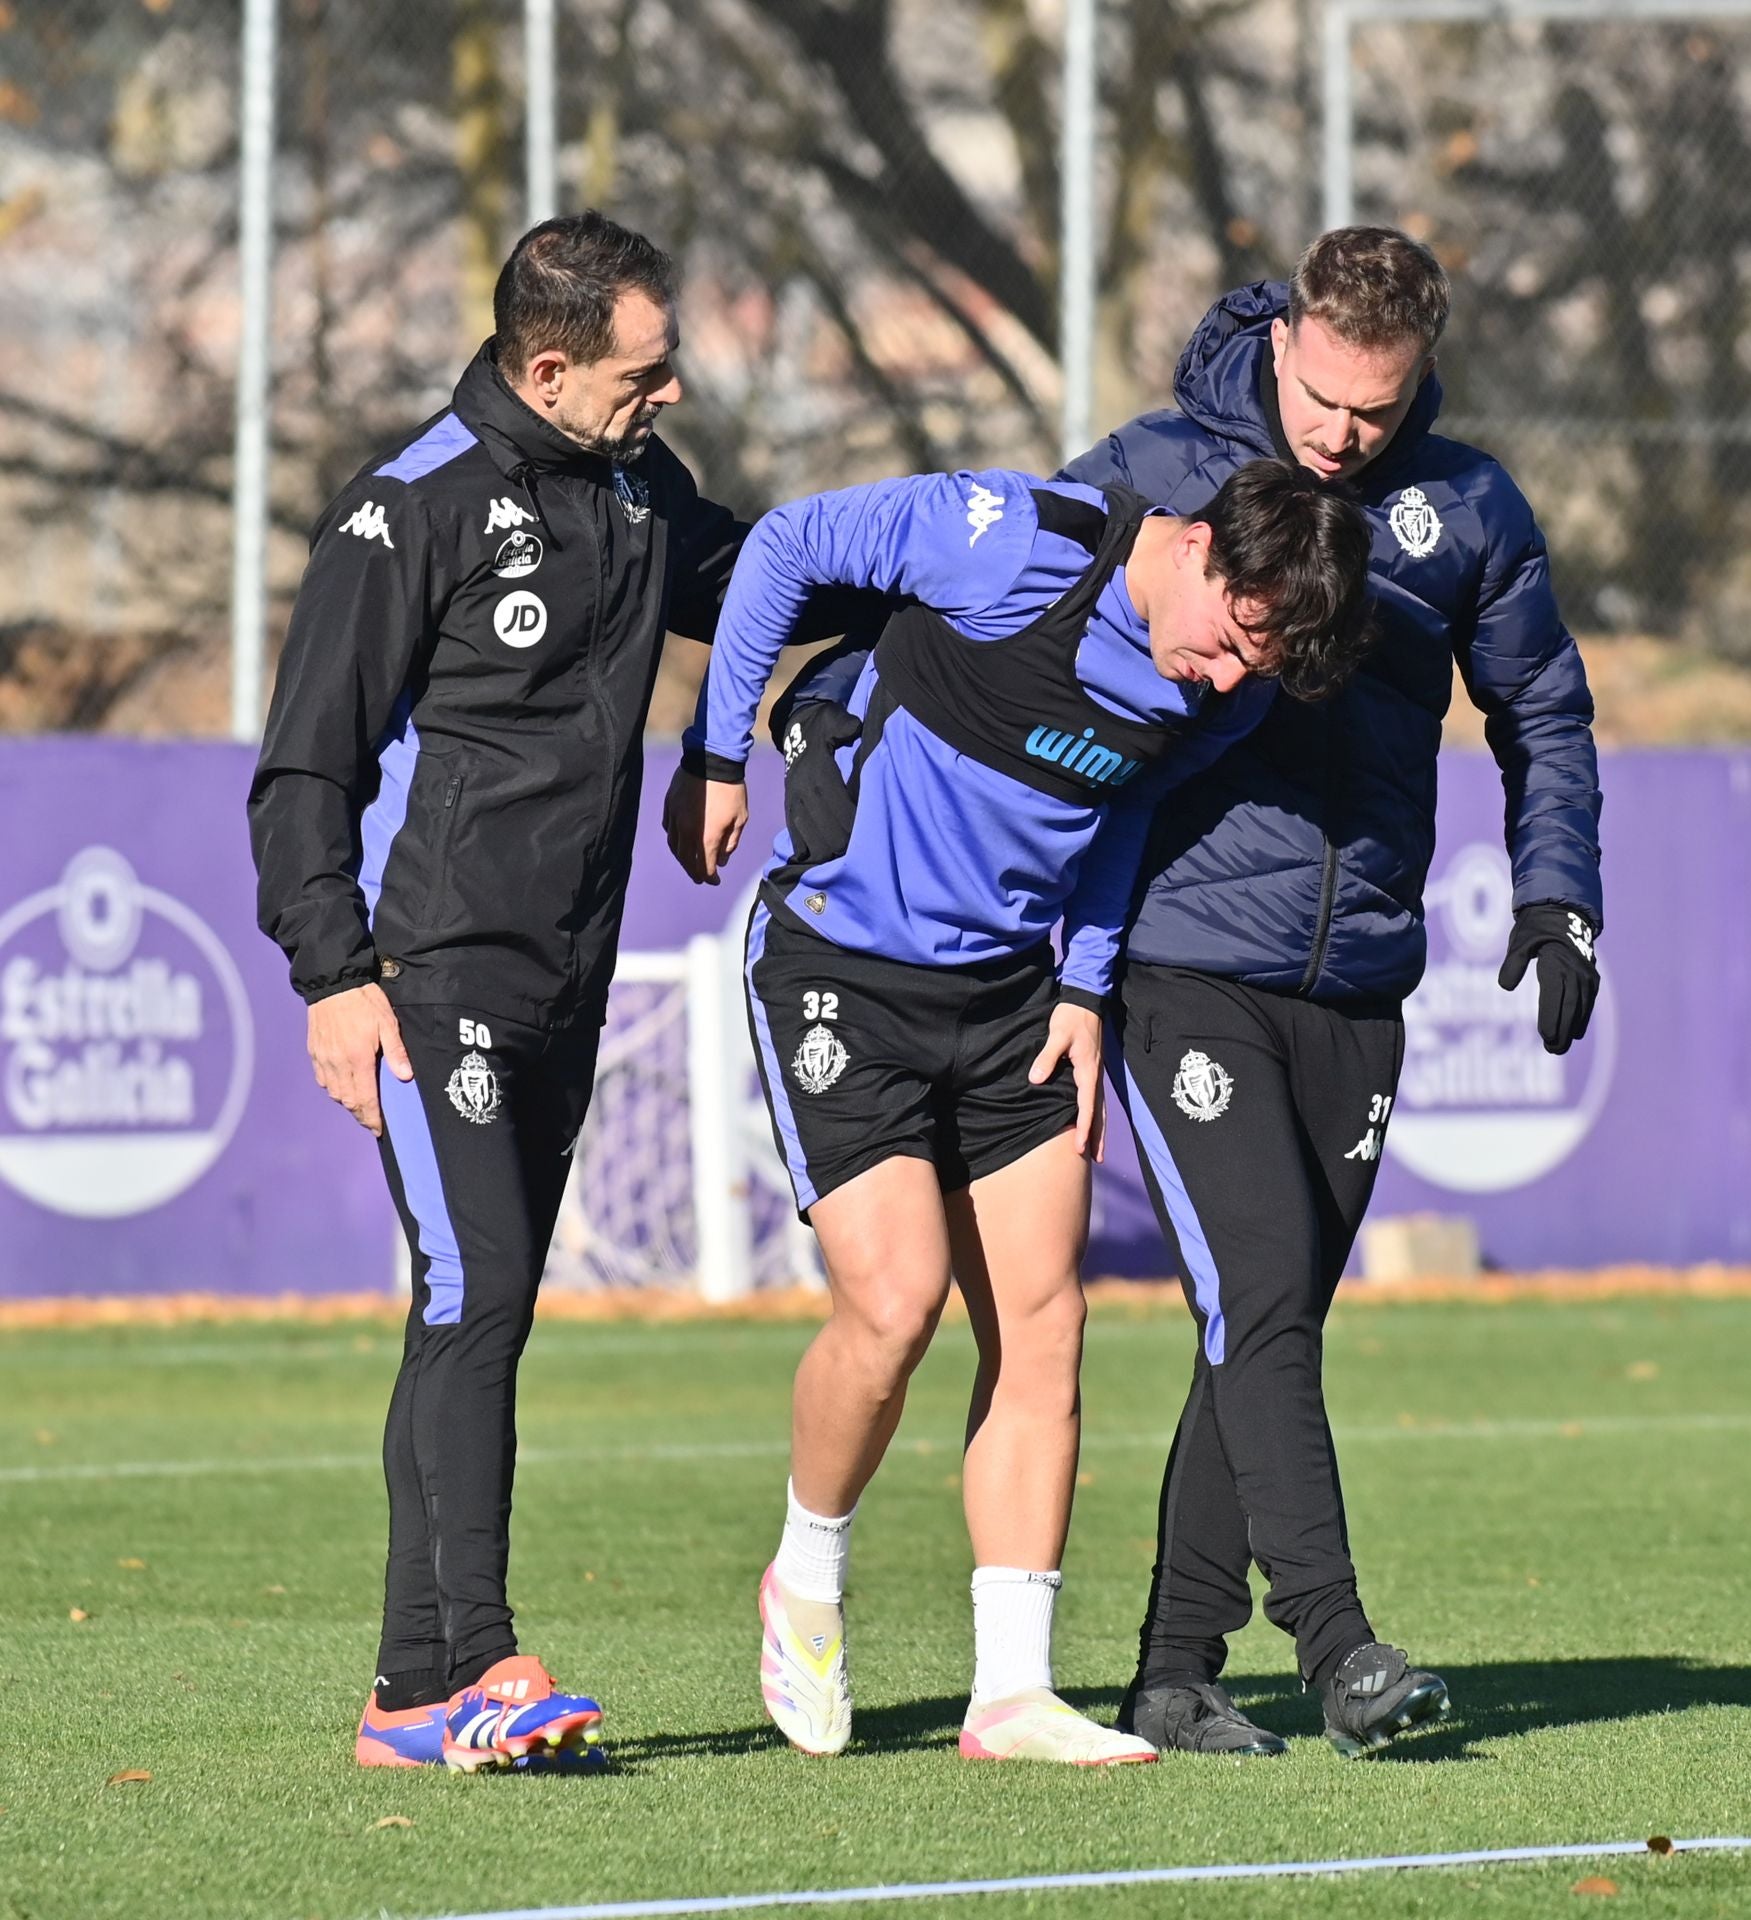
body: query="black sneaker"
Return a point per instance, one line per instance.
(1194, 1719)
(1376, 1694)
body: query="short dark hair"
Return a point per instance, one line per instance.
(560, 284)
(1374, 287)
(1299, 550)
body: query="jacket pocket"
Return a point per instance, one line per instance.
(443, 836)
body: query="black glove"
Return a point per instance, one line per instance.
(831, 675)
(1568, 977)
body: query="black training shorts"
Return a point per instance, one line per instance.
(864, 1059)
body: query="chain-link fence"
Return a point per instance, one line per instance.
(865, 196)
(1588, 180)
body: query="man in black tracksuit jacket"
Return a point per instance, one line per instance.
(443, 821)
(1279, 929)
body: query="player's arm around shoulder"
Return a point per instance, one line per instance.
(916, 537)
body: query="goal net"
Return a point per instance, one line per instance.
(675, 1182)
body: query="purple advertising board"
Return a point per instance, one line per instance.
(160, 1130)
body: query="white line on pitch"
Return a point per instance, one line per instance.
(1057, 1882)
(1576, 1427)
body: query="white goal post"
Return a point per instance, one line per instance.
(675, 1181)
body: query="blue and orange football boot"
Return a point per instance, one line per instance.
(412, 1737)
(512, 1712)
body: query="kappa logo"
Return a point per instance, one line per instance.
(520, 619)
(369, 523)
(519, 556)
(819, 1060)
(1203, 1087)
(1581, 934)
(505, 516)
(1415, 523)
(633, 491)
(984, 510)
(474, 1090)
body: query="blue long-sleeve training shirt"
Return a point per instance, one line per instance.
(951, 862)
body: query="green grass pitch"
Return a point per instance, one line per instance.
(1549, 1503)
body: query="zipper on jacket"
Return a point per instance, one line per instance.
(441, 846)
(1328, 883)
(1328, 868)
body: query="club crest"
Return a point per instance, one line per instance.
(633, 491)
(474, 1090)
(1415, 524)
(1203, 1087)
(819, 1060)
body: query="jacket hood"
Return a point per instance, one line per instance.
(511, 430)
(1218, 380)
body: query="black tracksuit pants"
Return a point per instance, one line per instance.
(476, 1149)
(1259, 1121)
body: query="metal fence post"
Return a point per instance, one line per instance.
(253, 424)
(540, 110)
(1336, 132)
(1076, 261)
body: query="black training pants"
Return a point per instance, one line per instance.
(1259, 1121)
(476, 1148)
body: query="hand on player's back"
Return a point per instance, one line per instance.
(703, 820)
(346, 1033)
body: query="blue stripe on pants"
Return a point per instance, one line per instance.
(410, 1134)
(793, 1146)
(1194, 1248)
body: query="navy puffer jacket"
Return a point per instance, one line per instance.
(1297, 861)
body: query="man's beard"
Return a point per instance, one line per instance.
(628, 444)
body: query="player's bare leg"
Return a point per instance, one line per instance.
(1018, 1237)
(885, 1243)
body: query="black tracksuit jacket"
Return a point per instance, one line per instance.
(449, 780)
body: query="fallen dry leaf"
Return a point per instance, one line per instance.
(77, 1613)
(273, 1589)
(391, 1820)
(1085, 1479)
(43, 1437)
(1660, 1843)
(132, 1565)
(1644, 1370)
(130, 1777)
(1594, 1883)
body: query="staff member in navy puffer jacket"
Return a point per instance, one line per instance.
(1258, 1029)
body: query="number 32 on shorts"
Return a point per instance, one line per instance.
(820, 1006)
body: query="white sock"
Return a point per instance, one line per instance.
(814, 1552)
(1012, 1630)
